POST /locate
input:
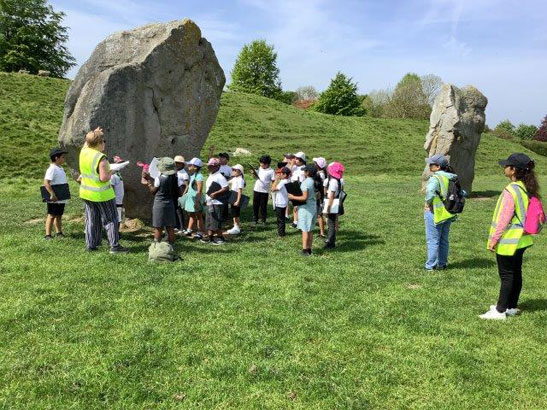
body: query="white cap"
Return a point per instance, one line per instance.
(301, 155)
(239, 167)
(322, 162)
(196, 162)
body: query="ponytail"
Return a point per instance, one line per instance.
(448, 168)
(528, 177)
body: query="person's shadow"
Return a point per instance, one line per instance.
(352, 240)
(533, 305)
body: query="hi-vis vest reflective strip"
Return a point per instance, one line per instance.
(91, 187)
(513, 237)
(440, 214)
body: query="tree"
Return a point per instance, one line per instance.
(408, 99)
(255, 70)
(287, 97)
(431, 86)
(376, 101)
(306, 93)
(526, 132)
(505, 129)
(32, 38)
(340, 98)
(541, 134)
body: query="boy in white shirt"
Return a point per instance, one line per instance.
(214, 206)
(183, 179)
(237, 184)
(298, 175)
(281, 199)
(55, 175)
(264, 178)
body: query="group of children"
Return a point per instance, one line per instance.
(181, 189)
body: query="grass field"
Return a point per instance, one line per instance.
(254, 325)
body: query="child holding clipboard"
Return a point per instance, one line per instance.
(55, 177)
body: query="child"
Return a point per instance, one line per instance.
(281, 200)
(183, 178)
(214, 206)
(116, 181)
(320, 163)
(55, 175)
(264, 178)
(194, 199)
(507, 237)
(334, 186)
(437, 218)
(298, 175)
(166, 189)
(237, 184)
(307, 213)
(289, 159)
(225, 170)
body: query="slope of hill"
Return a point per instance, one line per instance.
(31, 110)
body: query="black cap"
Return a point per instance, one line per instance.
(517, 160)
(224, 155)
(57, 151)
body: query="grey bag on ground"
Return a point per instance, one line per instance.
(161, 252)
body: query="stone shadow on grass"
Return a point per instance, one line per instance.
(533, 305)
(484, 194)
(351, 241)
(473, 263)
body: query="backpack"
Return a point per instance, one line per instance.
(455, 199)
(535, 215)
(161, 252)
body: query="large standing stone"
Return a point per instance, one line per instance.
(456, 125)
(155, 90)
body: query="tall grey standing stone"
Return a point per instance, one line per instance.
(456, 124)
(155, 90)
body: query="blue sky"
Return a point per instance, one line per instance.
(499, 46)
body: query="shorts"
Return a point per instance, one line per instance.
(236, 211)
(55, 209)
(121, 213)
(214, 217)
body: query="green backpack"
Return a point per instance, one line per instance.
(161, 252)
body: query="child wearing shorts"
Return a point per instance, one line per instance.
(55, 175)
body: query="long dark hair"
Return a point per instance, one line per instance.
(448, 168)
(528, 177)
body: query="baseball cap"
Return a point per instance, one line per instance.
(179, 158)
(57, 151)
(300, 155)
(196, 162)
(213, 162)
(239, 167)
(517, 160)
(289, 156)
(437, 159)
(224, 155)
(321, 162)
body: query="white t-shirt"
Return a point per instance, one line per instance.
(183, 177)
(117, 183)
(157, 182)
(219, 179)
(265, 178)
(56, 175)
(281, 197)
(333, 186)
(226, 170)
(298, 173)
(237, 183)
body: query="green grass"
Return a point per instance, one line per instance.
(254, 325)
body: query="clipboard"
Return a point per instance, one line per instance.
(242, 203)
(62, 192)
(293, 188)
(224, 197)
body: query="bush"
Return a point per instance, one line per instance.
(541, 134)
(287, 97)
(340, 98)
(539, 147)
(505, 130)
(526, 132)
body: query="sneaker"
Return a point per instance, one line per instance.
(294, 225)
(91, 249)
(187, 232)
(118, 249)
(60, 235)
(218, 241)
(493, 314)
(440, 267)
(197, 236)
(205, 239)
(305, 252)
(48, 237)
(512, 312)
(234, 231)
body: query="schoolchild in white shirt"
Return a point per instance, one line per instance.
(214, 206)
(281, 201)
(298, 176)
(55, 175)
(321, 176)
(183, 179)
(237, 183)
(264, 177)
(116, 181)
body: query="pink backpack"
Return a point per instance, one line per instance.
(535, 217)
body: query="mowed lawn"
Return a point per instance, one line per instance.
(255, 325)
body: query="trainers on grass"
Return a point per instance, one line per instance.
(118, 249)
(493, 314)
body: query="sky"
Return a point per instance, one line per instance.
(498, 46)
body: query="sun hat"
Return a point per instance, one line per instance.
(196, 162)
(166, 166)
(179, 158)
(517, 160)
(239, 167)
(300, 155)
(437, 159)
(57, 151)
(213, 162)
(336, 170)
(321, 162)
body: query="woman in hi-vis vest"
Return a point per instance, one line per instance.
(507, 237)
(98, 195)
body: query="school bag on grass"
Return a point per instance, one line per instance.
(161, 252)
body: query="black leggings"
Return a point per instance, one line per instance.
(260, 201)
(280, 212)
(510, 271)
(331, 235)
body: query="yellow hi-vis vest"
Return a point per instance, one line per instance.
(440, 214)
(91, 187)
(513, 237)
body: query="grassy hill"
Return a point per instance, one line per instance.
(31, 110)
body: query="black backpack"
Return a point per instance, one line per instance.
(455, 200)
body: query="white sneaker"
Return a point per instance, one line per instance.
(493, 314)
(512, 312)
(234, 231)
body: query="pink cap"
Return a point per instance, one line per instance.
(322, 162)
(213, 162)
(336, 170)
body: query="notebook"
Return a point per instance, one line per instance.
(62, 192)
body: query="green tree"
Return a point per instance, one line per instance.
(408, 99)
(505, 129)
(340, 98)
(255, 70)
(287, 97)
(32, 38)
(526, 132)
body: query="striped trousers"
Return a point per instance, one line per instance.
(97, 216)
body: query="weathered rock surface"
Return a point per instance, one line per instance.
(155, 90)
(456, 124)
